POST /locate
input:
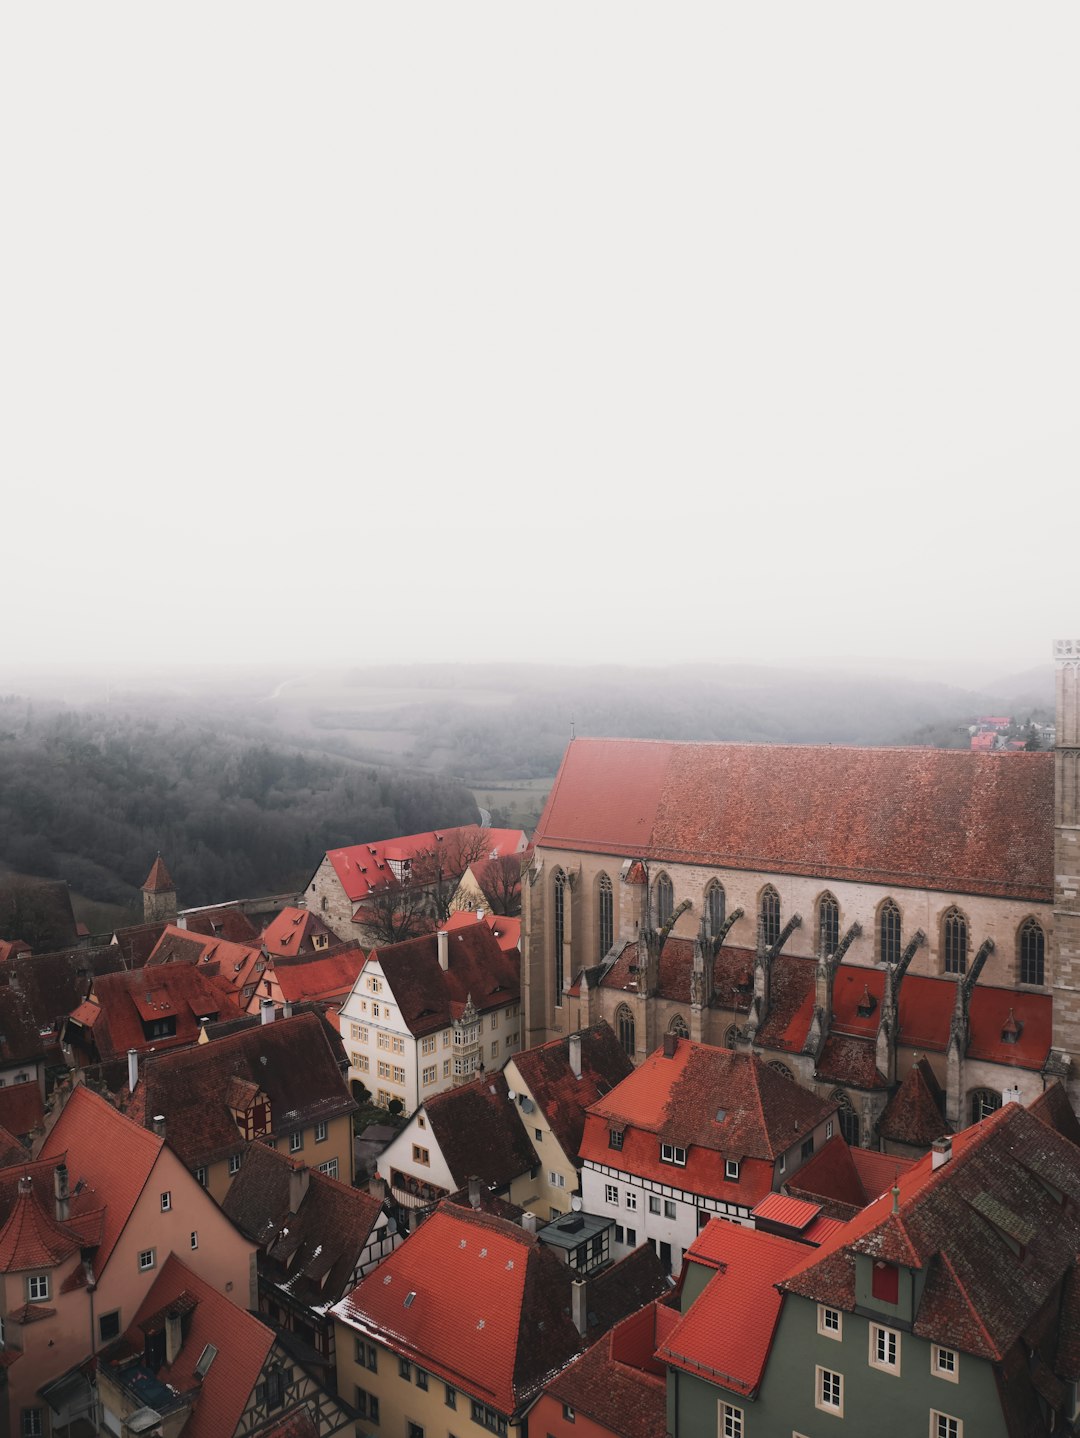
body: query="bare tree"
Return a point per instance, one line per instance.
(500, 879)
(441, 868)
(396, 912)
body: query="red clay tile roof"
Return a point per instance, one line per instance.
(137, 942)
(787, 1212)
(242, 1342)
(223, 921)
(10, 947)
(618, 1382)
(959, 1223)
(21, 1109)
(158, 880)
(31, 1237)
(12, 1150)
(330, 976)
(915, 1113)
(506, 929)
(843, 1179)
(852, 1062)
(479, 1133)
(293, 932)
(363, 867)
(55, 984)
(791, 1005)
(425, 994)
(1054, 1108)
(951, 820)
(560, 1096)
(290, 1060)
(109, 1154)
(128, 1000)
(926, 1009)
(237, 964)
(728, 1330)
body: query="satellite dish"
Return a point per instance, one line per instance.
(527, 1105)
(575, 1203)
(511, 1095)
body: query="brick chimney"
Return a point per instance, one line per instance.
(941, 1151)
(671, 1043)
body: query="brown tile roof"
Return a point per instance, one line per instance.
(429, 997)
(21, 1040)
(50, 902)
(618, 1382)
(158, 880)
(131, 1001)
(843, 1179)
(313, 1251)
(560, 1096)
(55, 984)
(22, 1111)
(963, 1224)
(12, 1151)
(791, 1005)
(852, 1062)
(623, 1287)
(479, 1132)
(915, 1113)
(290, 1060)
(1054, 1108)
(225, 921)
(950, 820)
(328, 976)
(236, 964)
(137, 942)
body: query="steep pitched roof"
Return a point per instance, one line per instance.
(506, 929)
(49, 902)
(21, 1040)
(563, 1097)
(313, 1250)
(479, 1133)
(130, 1000)
(22, 1111)
(221, 921)
(54, 984)
(728, 1330)
(915, 1113)
(158, 880)
(236, 964)
(243, 1345)
(844, 1179)
(31, 1236)
(1054, 1108)
(362, 868)
(329, 976)
(986, 1227)
(618, 1382)
(290, 1060)
(136, 942)
(294, 931)
(951, 820)
(429, 997)
(110, 1155)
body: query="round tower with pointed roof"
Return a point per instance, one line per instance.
(159, 895)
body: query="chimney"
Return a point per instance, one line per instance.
(479, 916)
(266, 1010)
(528, 1220)
(575, 1055)
(26, 1186)
(133, 1069)
(159, 1125)
(941, 1152)
(174, 1336)
(286, 1009)
(61, 1193)
(671, 1043)
(579, 1306)
(444, 950)
(474, 1191)
(299, 1178)
(1010, 1095)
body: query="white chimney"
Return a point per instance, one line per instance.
(575, 1055)
(286, 1010)
(479, 916)
(528, 1222)
(444, 950)
(133, 1069)
(1010, 1095)
(474, 1191)
(579, 1307)
(940, 1153)
(61, 1193)
(266, 1010)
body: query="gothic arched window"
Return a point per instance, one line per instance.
(714, 909)
(888, 927)
(782, 1069)
(954, 941)
(850, 1127)
(828, 922)
(664, 898)
(731, 1033)
(678, 1027)
(1032, 945)
(626, 1029)
(559, 929)
(984, 1102)
(769, 916)
(606, 908)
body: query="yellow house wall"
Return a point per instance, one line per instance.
(539, 1194)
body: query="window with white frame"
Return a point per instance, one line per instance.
(611, 1193)
(235, 1160)
(200, 1177)
(945, 1363)
(829, 1322)
(731, 1421)
(296, 1141)
(884, 1348)
(430, 1074)
(37, 1287)
(942, 1425)
(427, 1045)
(166, 1201)
(321, 1131)
(731, 1170)
(146, 1259)
(829, 1394)
(194, 1238)
(631, 1198)
(33, 1424)
(669, 1153)
(330, 1168)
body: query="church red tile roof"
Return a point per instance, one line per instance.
(158, 880)
(852, 1062)
(728, 1330)
(429, 997)
(791, 1006)
(560, 1095)
(985, 1227)
(950, 820)
(1054, 1108)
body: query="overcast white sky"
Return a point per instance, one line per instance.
(570, 331)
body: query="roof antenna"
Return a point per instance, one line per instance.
(572, 735)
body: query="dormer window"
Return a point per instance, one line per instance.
(615, 1137)
(866, 1005)
(885, 1282)
(669, 1153)
(1011, 1029)
(731, 1170)
(320, 941)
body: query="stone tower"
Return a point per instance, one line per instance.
(1066, 940)
(159, 895)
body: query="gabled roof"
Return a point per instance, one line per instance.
(311, 1251)
(988, 1228)
(31, 1237)
(618, 1382)
(136, 942)
(361, 868)
(1054, 1108)
(163, 992)
(290, 1060)
(22, 1111)
(236, 964)
(951, 820)
(158, 880)
(293, 932)
(727, 1332)
(559, 1094)
(506, 929)
(428, 997)
(844, 1179)
(243, 1345)
(54, 918)
(711, 1098)
(221, 921)
(329, 976)
(479, 1133)
(915, 1113)
(56, 983)
(111, 1156)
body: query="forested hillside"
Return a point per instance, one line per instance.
(91, 795)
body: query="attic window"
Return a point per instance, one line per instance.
(866, 1005)
(1011, 1029)
(669, 1153)
(410, 1298)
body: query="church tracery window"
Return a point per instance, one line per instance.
(850, 1127)
(889, 934)
(677, 1026)
(731, 1033)
(769, 916)
(714, 909)
(828, 925)
(626, 1029)
(664, 897)
(954, 941)
(781, 1069)
(984, 1102)
(606, 913)
(559, 915)
(1032, 945)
